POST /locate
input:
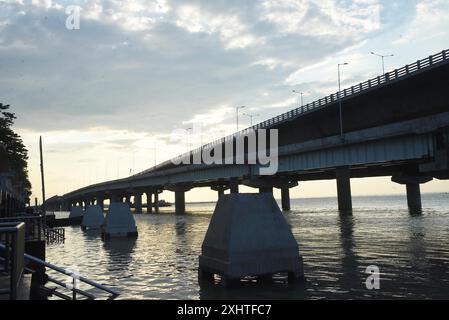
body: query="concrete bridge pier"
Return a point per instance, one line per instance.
(414, 196)
(138, 203)
(100, 202)
(128, 200)
(149, 195)
(266, 190)
(116, 198)
(221, 188)
(412, 184)
(156, 202)
(180, 201)
(234, 185)
(266, 185)
(343, 176)
(285, 198)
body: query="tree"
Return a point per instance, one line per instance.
(15, 150)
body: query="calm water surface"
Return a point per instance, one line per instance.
(412, 252)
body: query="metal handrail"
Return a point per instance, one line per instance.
(30, 223)
(13, 260)
(113, 294)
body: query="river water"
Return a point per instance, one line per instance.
(411, 252)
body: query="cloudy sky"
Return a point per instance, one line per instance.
(105, 95)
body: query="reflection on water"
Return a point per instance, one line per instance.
(412, 252)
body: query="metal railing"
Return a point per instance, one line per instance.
(335, 97)
(383, 80)
(71, 285)
(33, 226)
(54, 235)
(12, 235)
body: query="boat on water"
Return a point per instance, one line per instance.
(163, 203)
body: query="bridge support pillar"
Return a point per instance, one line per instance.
(344, 189)
(285, 198)
(220, 188)
(266, 190)
(414, 196)
(100, 202)
(149, 201)
(180, 202)
(234, 186)
(128, 200)
(156, 202)
(412, 183)
(138, 203)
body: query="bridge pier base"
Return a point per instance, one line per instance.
(285, 198)
(343, 177)
(234, 251)
(138, 203)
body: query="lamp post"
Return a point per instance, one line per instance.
(251, 116)
(339, 98)
(188, 131)
(237, 115)
(302, 96)
(383, 59)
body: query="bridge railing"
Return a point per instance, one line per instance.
(325, 101)
(328, 100)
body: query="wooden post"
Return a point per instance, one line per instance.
(43, 181)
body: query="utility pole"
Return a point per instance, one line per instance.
(43, 181)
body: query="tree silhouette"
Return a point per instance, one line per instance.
(15, 150)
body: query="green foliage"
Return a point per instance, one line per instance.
(16, 152)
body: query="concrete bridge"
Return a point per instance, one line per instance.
(395, 125)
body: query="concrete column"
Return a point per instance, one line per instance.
(266, 190)
(220, 193)
(156, 202)
(344, 189)
(234, 186)
(285, 198)
(149, 202)
(115, 198)
(180, 202)
(138, 203)
(100, 202)
(414, 196)
(128, 200)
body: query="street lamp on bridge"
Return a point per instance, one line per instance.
(383, 59)
(302, 96)
(237, 114)
(339, 97)
(251, 116)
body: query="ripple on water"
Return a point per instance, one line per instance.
(411, 252)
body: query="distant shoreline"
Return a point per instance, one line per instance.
(334, 197)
